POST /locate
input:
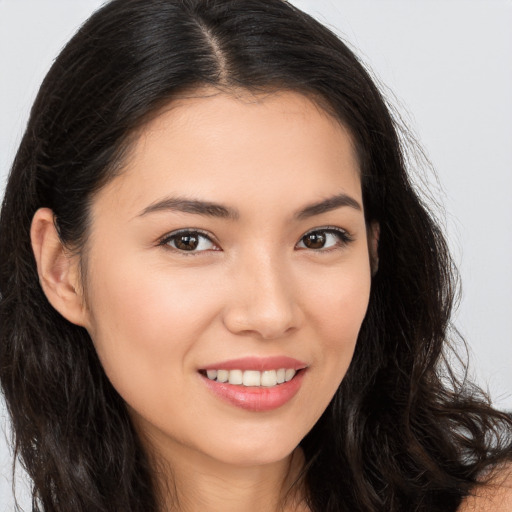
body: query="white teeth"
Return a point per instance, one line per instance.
(267, 378)
(212, 374)
(289, 374)
(252, 378)
(222, 375)
(236, 377)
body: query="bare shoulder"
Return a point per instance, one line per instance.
(493, 496)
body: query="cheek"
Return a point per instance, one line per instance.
(143, 319)
(338, 300)
(348, 304)
(337, 310)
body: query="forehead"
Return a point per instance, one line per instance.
(279, 146)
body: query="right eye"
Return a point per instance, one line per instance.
(189, 241)
(325, 239)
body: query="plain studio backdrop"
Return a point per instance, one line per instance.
(446, 66)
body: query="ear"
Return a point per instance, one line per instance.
(58, 268)
(373, 245)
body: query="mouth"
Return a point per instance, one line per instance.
(252, 378)
(255, 384)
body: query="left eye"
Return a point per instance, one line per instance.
(189, 241)
(323, 239)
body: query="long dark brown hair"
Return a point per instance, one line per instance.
(401, 434)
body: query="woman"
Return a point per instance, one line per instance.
(219, 289)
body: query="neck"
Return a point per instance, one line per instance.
(192, 481)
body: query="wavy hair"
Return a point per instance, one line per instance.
(401, 433)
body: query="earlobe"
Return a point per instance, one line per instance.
(57, 268)
(373, 246)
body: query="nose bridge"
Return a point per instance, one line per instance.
(263, 301)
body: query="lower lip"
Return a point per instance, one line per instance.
(256, 398)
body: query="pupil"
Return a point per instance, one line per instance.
(187, 242)
(315, 240)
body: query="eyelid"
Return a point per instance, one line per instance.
(345, 237)
(164, 240)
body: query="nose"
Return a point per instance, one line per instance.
(264, 301)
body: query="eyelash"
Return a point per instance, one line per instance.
(164, 242)
(344, 238)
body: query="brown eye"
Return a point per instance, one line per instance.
(189, 241)
(324, 239)
(314, 240)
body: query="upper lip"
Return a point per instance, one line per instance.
(257, 363)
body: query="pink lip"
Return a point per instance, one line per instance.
(258, 363)
(256, 398)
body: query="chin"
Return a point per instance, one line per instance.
(245, 453)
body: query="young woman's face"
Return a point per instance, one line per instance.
(233, 246)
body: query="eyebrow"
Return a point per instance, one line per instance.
(210, 209)
(195, 206)
(327, 205)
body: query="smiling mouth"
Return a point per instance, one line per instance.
(251, 378)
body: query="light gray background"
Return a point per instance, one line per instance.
(449, 65)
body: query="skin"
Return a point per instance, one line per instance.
(495, 495)
(157, 315)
